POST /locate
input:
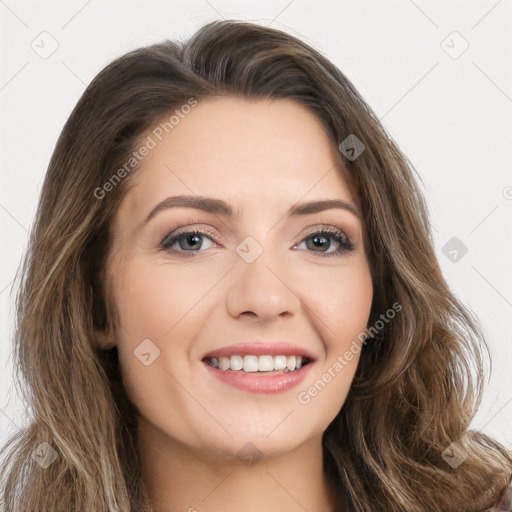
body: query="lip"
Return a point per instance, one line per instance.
(260, 383)
(260, 348)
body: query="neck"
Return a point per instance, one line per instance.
(179, 478)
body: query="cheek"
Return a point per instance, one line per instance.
(159, 324)
(349, 310)
(154, 300)
(341, 302)
(163, 311)
(340, 307)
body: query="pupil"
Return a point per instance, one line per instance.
(317, 238)
(197, 238)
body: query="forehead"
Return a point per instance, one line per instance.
(249, 152)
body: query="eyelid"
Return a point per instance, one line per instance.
(188, 228)
(198, 226)
(330, 228)
(320, 227)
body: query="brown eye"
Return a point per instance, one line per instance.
(323, 240)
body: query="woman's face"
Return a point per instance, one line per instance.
(255, 275)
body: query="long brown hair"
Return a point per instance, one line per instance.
(418, 383)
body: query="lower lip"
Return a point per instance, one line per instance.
(256, 382)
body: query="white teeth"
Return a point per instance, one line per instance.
(237, 362)
(251, 364)
(223, 363)
(265, 363)
(279, 362)
(290, 362)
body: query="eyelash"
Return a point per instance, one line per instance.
(337, 234)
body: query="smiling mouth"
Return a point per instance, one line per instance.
(263, 364)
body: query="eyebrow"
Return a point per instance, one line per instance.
(220, 207)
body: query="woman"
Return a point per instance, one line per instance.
(232, 301)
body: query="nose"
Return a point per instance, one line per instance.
(262, 290)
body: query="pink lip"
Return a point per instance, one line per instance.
(259, 348)
(260, 383)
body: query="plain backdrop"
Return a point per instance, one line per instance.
(436, 73)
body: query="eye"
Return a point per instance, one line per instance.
(183, 241)
(187, 241)
(321, 239)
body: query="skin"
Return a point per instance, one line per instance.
(262, 157)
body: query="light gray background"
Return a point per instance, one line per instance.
(449, 113)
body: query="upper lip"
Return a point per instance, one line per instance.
(259, 348)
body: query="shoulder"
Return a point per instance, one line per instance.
(503, 502)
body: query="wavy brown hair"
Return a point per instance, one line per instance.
(417, 386)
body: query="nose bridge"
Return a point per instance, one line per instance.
(261, 284)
